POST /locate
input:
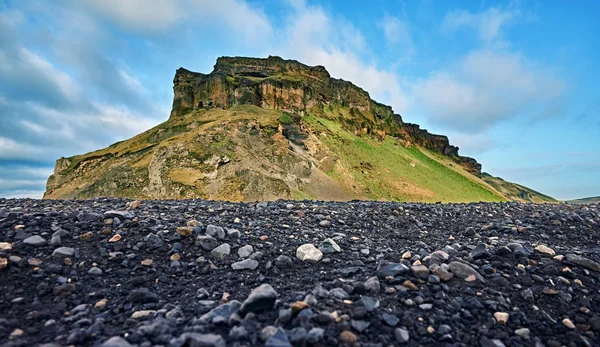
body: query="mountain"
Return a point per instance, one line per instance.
(590, 200)
(516, 192)
(264, 129)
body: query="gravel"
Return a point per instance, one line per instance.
(202, 273)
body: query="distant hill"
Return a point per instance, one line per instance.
(266, 129)
(516, 192)
(590, 200)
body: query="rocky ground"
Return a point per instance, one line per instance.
(114, 272)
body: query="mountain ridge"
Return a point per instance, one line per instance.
(269, 128)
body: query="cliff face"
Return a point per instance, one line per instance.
(287, 85)
(265, 129)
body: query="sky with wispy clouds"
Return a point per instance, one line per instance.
(513, 83)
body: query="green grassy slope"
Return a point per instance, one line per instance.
(390, 171)
(515, 191)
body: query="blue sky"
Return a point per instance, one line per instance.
(513, 84)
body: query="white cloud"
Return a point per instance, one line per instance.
(156, 16)
(150, 15)
(486, 87)
(12, 149)
(398, 36)
(488, 24)
(314, 38)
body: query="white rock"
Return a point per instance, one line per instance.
(308, 252)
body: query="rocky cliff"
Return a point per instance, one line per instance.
(287, 85)
(265, 129)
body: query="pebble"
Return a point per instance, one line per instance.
(260, 299)
(35, 241)
(545, 250)
(142, 314)
(585, 262)
(464, 271)
(116, 341)
(348, 337)
(245, 264)
(402, 335)
(308, 252)
(95, 271)
(245, 251)
(523, 332)
(215, 231)
(63, 252)
(115, 238)
(5, 246)
(501, 317)
(184, 231)
(222, 251)
(568, 323)
(329, 246)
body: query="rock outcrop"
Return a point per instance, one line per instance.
(267, 129)
(287, 85)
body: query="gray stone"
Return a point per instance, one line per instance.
(116, 341)
(261, 298)
(279, 339)
(463, 271)
(245, 251)
(386, 269)
(35, 241)
(339, 293)
(369, 303)
(215, 231)
(63, 252)
(308, 252)
(329, 246)
(581, 261)
(420, 271)
(479, 252)
(120, 214)
(222, 251)
(56, 241)
(198, 340)
(154, 241)
(372, 285)
(207, 243)
(221, 313)
(401, 335)
(250, 264)
(95, 271)
(283, 262)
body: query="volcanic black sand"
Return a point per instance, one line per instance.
(113, 272)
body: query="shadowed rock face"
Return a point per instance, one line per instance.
(287, 85)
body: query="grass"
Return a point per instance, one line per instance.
(384, 170)
(286, 119)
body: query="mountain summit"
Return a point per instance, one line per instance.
(264, 129)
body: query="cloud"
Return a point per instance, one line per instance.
(156, 16)
(138, 14)
(486, 87)
(27, 76)
(398, 37)
(488, 24)
(315, 38)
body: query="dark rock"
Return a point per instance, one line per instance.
(260, 299)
